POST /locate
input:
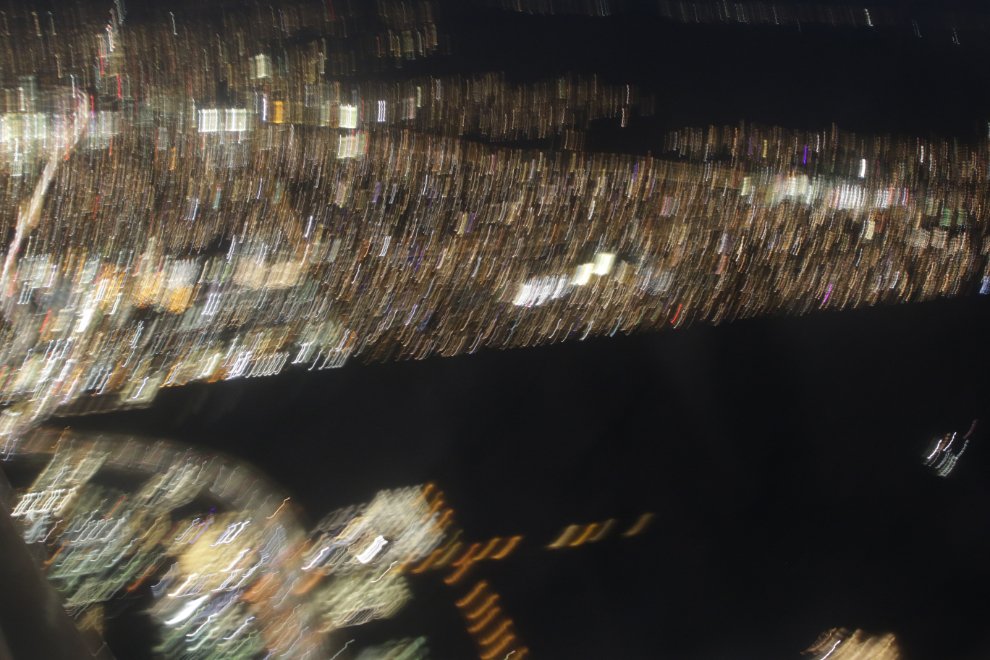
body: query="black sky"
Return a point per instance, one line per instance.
(782, 456)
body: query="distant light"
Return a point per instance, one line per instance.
(209, 121)
(583, 274)
(260, 66)
(538, 290)
(603, 263)
(233, 120)
(352, 146)
(348, 116)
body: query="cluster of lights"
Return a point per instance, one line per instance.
(428, 244)
(945, 452)
(841, 644)
(305, 220)
(239, 579)
(762, 13)
(493, 631)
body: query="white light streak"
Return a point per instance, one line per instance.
(372, 550)
(386, 571)
(341, 650)
(246, 621)
(187, 611)
(319, 555)
(833, 649)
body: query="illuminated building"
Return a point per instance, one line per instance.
(168, 232)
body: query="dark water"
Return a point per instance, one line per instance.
(781, 456)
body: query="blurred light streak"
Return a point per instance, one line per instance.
(942, 458)
(840, 644)
(640, 526)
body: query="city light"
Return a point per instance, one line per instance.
(165, 235)
(240, 577)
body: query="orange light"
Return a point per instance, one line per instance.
(478, 588)
(509, 547)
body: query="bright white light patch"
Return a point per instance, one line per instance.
(583, 274)
(603, 263)
(538, 290)
(260, 66)
(187, 611)
(372, 550)
(232, 120)
(348, 116)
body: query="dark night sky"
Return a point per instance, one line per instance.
(782, 456)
